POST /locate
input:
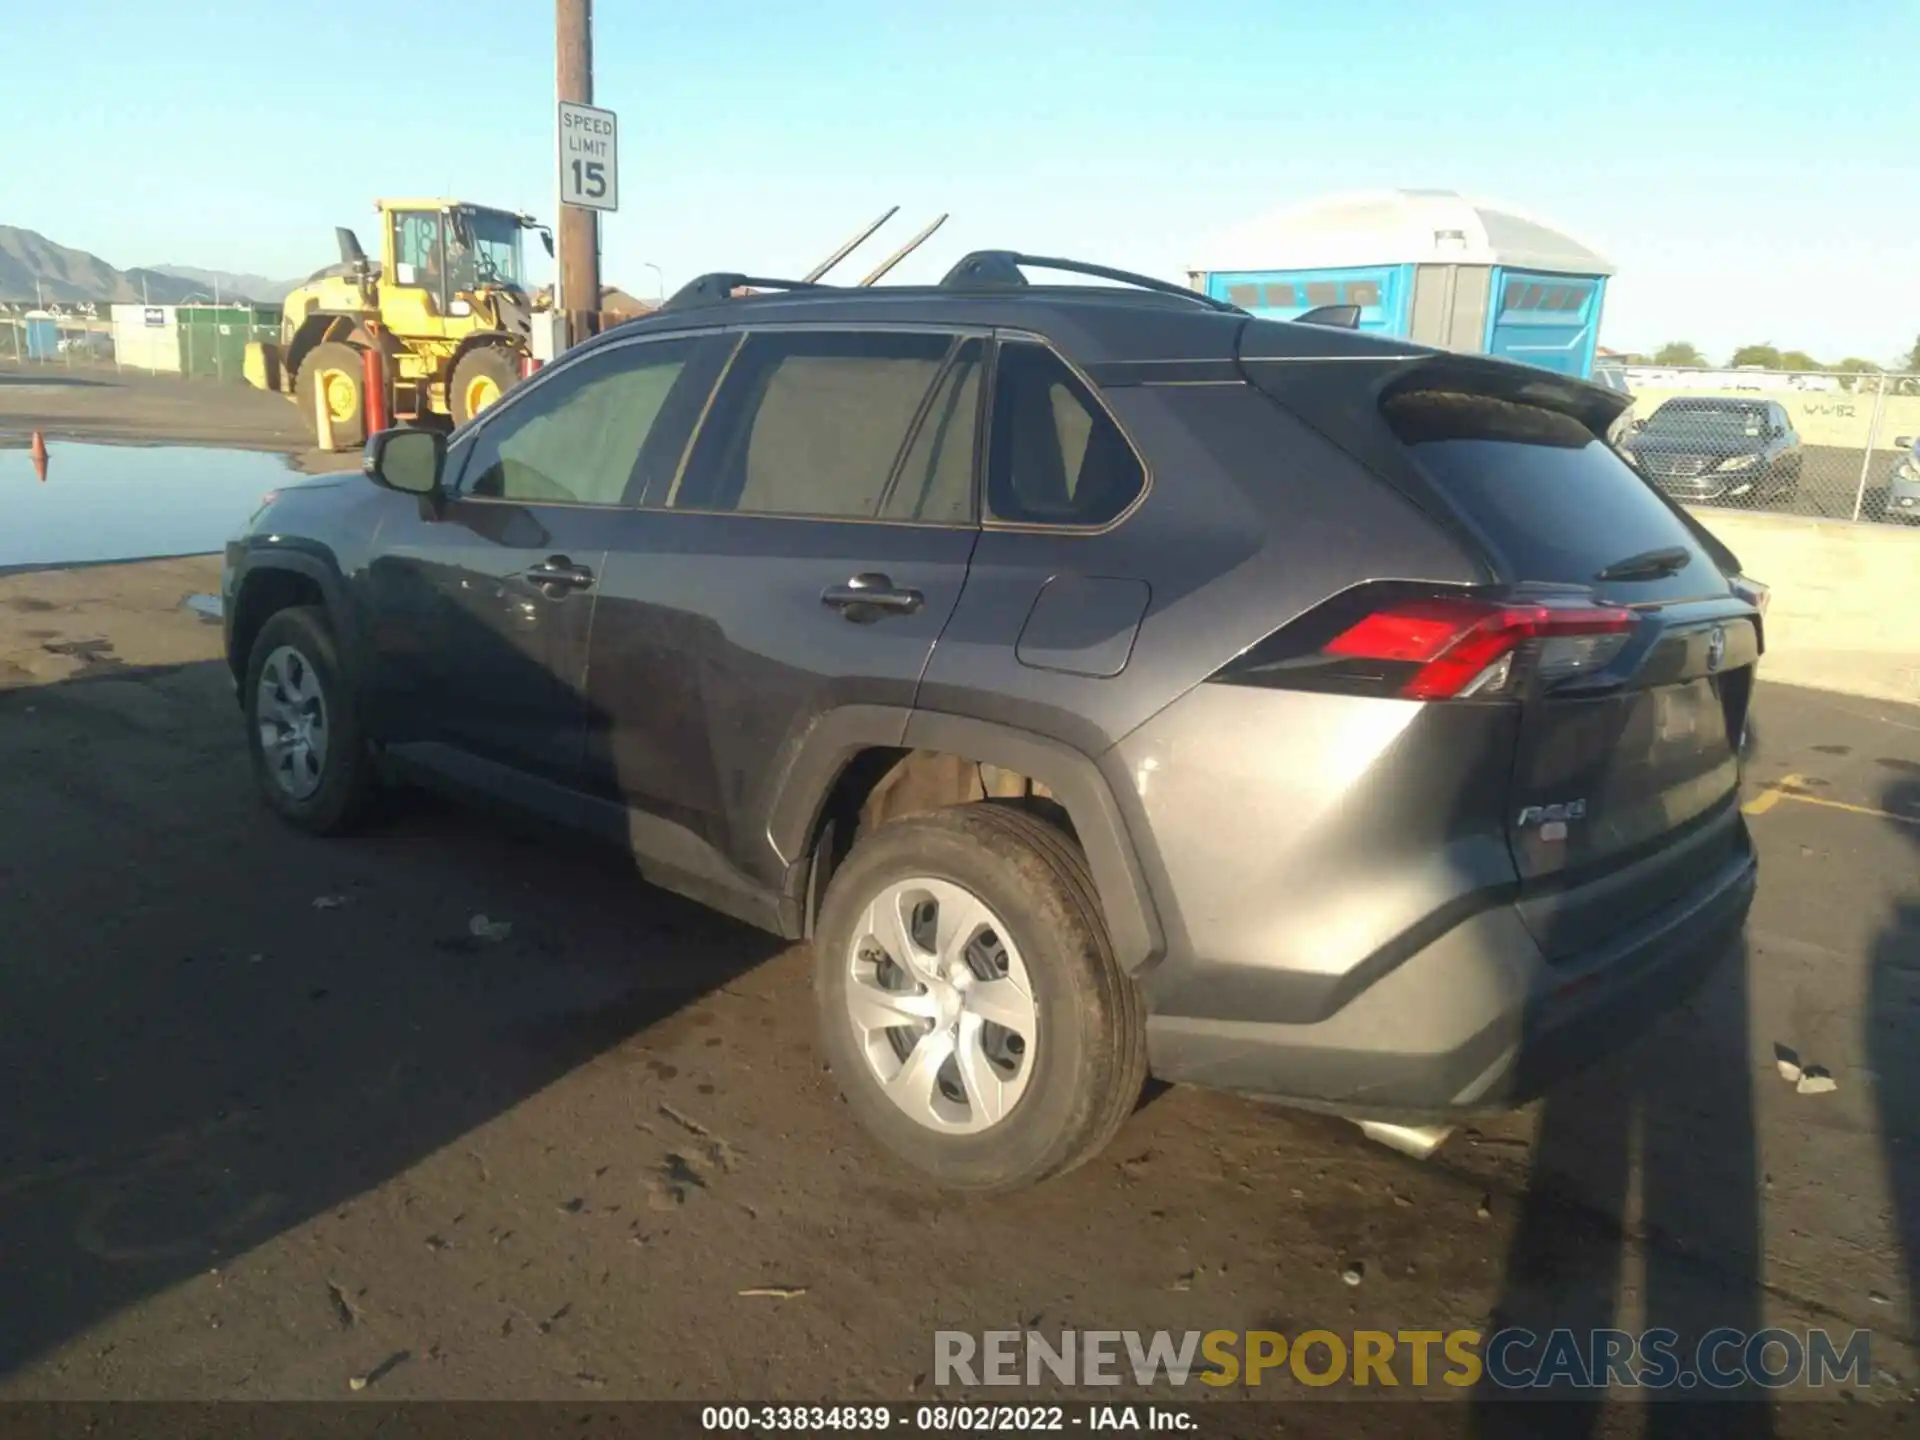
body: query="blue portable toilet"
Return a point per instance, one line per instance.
(43, 335)
(1427, 265)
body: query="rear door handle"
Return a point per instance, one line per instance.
(867, 596)
(556, 572)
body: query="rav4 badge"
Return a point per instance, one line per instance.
(1551, 820)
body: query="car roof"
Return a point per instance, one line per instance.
(1095, 324)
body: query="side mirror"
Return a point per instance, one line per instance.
(406, 460)
(546, 239)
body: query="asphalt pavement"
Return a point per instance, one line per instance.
(287, 1119)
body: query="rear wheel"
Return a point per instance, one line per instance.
(969, 1002)
(480, 378)
(335, 369)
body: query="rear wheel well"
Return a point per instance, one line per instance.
(318, 327)
(884, 783)
(263, 594)
(496, 339)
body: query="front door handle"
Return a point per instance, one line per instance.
(556, 573)
(869, 596)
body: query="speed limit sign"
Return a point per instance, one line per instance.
(589, 156)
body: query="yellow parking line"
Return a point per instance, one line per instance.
(1771, 796)
(1792, 787)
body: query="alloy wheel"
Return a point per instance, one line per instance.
(942, 1005)
(291, 712)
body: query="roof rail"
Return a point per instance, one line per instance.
(1002, 267)
(712, 289)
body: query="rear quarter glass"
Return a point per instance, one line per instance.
(1553, 499)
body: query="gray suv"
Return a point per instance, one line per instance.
(1107, 683)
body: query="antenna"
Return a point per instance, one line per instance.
(905, 250)
(847, 249)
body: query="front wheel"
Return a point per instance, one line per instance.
(335, 370)
(479, 379)
(303, 729)
(969, 1002)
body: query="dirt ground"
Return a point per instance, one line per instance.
(276, 1120)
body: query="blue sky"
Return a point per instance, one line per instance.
(1752, 169)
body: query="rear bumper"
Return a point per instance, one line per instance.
(1475, 1021)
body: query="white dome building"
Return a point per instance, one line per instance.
(1429, 265)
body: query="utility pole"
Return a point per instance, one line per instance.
(578, 284)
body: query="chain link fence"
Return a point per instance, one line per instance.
(205, 340)
(29, 336)
(1826, 444)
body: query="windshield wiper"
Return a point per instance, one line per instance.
(1649, 564)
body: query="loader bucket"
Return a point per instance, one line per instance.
(262, 366)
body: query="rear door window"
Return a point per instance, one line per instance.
(1555, 500)
(810, 423)
(935, 483)
(1057, 457)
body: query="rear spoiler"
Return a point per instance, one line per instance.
(1334, 317)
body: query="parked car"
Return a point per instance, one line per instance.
(1612, 375)
(1903, 483)
(1706, 451)
(88, 344)
(1104, 681)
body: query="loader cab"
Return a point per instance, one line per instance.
(483, 248)
(418, 297)
(440, 256)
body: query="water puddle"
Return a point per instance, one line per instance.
(128, 502)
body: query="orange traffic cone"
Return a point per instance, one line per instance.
(38, 450)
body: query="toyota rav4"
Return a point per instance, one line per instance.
(1105, 682)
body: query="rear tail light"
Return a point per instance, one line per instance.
(1438, 648)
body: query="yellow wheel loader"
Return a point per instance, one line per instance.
(446, 307)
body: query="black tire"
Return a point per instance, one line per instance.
(1089, 1055)
(346, 779)
(484, 364)
(335, 357)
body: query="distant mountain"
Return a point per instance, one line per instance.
(33, 267)
(230, 285)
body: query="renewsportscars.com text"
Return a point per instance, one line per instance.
(1510, 1359)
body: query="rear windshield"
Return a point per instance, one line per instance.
(1555, 501)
